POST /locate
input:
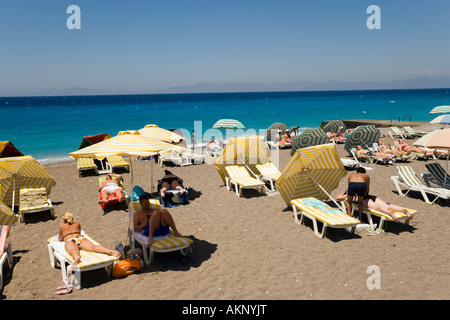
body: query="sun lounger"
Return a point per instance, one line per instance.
(161, 244)
(89, 260)
(436, 175)
(408, 179)
(112, 198)
(115, 161)
(383, 216)
(412, 132)
(86, 164)
(317, 210)
(396, 133)
(413, 155)
(34, 200)
(5, 251)
(241, 179)
(269, 173)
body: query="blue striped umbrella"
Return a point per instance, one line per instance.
(440, 109)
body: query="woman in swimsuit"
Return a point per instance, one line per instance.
(403, 146)
(70, 233)
(170, 181)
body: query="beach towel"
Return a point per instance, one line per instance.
(322, 206)
(174, 199)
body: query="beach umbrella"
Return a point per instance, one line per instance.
(440, 109)
(22, 172)
(228, 124)
(423, 141)
(444, 119)
(312, 172)
(441, 140)
(335, 125)
(274, 129)
(7, 149)
(7, 216)
(308, 138)
(363, 135)
(248, 151)
(93, 139)
(155, 132)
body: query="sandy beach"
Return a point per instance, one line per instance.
(245, 248)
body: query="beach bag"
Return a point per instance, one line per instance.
(137, 192)
(125, 267)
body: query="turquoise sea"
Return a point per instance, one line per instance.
(49, 128)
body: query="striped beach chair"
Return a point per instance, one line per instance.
(383, 216)
(116, 161)
(89, 260)
(269, 173)
(34, 200)
(408, 179)
(317, 210)
(5, 251)
(85, 164)
(437, 175)
(161, 244)
(241, 179)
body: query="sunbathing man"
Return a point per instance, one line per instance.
(153, 222)
(375, 203)
(170, 181)
(70, 232)
(287, 136)
(279, 139)
(363, 153)
(110, 186)
(403, 146)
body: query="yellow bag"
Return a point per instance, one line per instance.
(126, 267)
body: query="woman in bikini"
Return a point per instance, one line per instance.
(403, 146)
(170, 181)
(70, 233)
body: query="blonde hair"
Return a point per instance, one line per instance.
(68, 218)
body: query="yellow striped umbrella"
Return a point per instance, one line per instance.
(155, 132)
(312, 172)
(22, 172)
(7, 216)
(242, 150)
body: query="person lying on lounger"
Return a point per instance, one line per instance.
(382, 148)
(364, 153)
(110, 186)
(170, 181)
(403, 146)
(70, 233)
(376, 203)
(153, 222)
(287, 136)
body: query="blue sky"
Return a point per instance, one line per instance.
(150, 45)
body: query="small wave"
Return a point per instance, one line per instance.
(54, 160)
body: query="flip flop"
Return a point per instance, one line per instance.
(63, 291)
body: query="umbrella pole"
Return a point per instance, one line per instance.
(446, 169)
(323, 190)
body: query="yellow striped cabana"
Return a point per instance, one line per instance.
(22, 172)
(248, 151)
(312, 172)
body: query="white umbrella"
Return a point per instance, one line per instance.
(440, 109)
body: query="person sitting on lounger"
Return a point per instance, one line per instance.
(110, 186)
(212, 145)
(287, 137)
(376, 203)
(70, 233)
(170, 181)
(358, 186)
(279, 138)
(403, 146)
(153, 222)
(388, 150)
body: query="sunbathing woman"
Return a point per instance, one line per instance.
(403, 146)
(388, 150)
(70, 232)
(375, 203)
(170, 181)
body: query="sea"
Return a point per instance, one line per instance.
(49, 128)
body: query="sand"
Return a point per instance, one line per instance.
(244, 248)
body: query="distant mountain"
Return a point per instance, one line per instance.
(207, 87)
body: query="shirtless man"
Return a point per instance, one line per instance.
(153, 222)
(110, 186)
(358, 185)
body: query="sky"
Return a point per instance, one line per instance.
(148, 45)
